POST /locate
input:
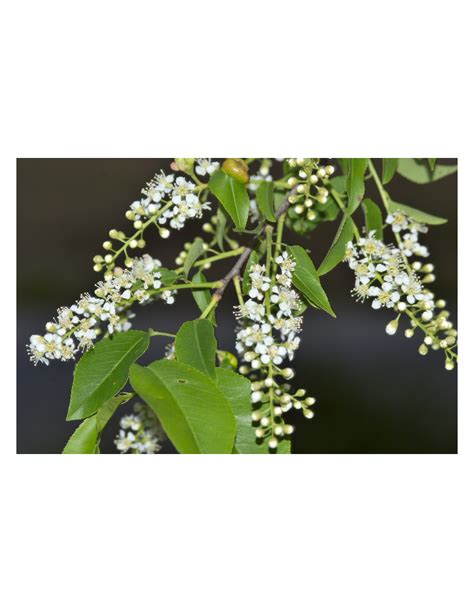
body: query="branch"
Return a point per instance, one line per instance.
(236, 268)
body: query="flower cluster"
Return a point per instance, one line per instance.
(140, 432)
(384, 275)
(167, 200)
(409, 241)
(268, 336)
(307, 182)
(78, 326)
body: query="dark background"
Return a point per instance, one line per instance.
(375, 394)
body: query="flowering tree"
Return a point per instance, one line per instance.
(206, 400)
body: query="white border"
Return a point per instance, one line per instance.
(223, 533)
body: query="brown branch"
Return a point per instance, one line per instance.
(237, 267)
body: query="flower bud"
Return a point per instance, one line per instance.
(309, 414)
(423, 349)
(259, 432)
(273, 443)
(440, 304)
(311, 216)
(256, 415)
(392, 327)
(265, 422)
(108, 258)
(427, 315)
(287, 373)
(449, 364)
(164, 232)
(288, 429)
(310, 401)
(278, 431)
(133, 244)
(207, 227)
(113, 233)
(256, 397)
(107, 245)
(409, 333)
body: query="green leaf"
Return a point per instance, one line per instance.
(168, 277)
(265, 200)
(252, 260)
(373, 218)
(196, 346)
(202, 297)
(389, 168)
(107, 410)
(355, 184)
(338, 247)
(85, 439)
(306, 280)
(415, 214)
(103, 371)
(339, 184)
(432, 163)
(195, 251)
(194, 413)
(344, 163)
(418, 171)
(233, 196)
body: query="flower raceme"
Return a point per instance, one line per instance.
(385, 276)
(76, 327)
(269, 324)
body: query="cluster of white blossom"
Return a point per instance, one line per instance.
(169, 199)
(140, 432)
(384, 275)
(267, 337)
(78, 326)
(409, 231)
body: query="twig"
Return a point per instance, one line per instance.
(236, 268)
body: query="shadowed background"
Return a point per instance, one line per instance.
(375, 394)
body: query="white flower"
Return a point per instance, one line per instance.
(252, 310)
(385, 296)
(273, 353)
(286, 263)
(260, 282)
(413, 289)
(206, 166)
(182, 188)
(363, 269)
(287, 300)
(124, 441)
(398, 221)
